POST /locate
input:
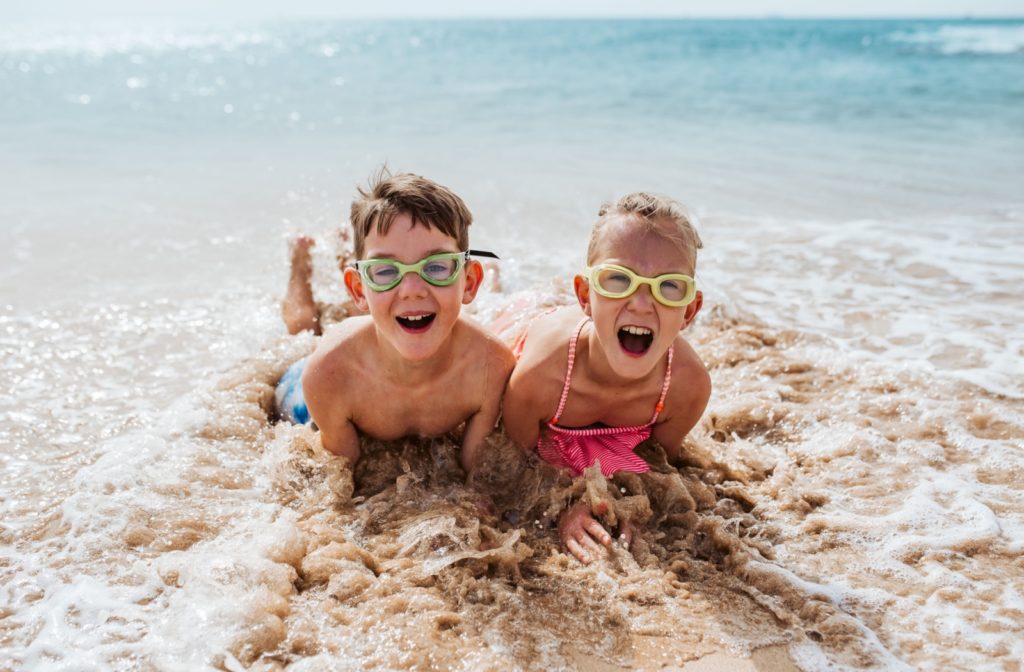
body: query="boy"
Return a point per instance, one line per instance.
(411, 366)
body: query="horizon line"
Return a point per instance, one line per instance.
(544, 17)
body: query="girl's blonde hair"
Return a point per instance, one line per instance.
(658, 214)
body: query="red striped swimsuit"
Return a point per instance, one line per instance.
(577, 449)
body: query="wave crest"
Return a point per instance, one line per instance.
(959, 39)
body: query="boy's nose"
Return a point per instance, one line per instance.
(412, 285)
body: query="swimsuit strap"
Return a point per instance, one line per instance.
(658, 407)
(664, 388)
(568, 370)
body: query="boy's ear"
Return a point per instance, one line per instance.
(474, 278)
(581, 286)
(692, 309)
(354, 285)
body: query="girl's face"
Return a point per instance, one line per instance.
(633, 333)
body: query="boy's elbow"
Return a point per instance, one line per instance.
(346, 449)
(468, 459)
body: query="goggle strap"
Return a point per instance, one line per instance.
(483, 253)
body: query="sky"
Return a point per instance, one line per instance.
(77, 10)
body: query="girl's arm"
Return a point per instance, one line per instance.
(521, 411)
(688, 397)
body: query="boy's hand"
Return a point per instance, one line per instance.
(582, 535)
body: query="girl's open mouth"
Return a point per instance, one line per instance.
(635, 340)
(416, 323)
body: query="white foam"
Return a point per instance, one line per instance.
(837, 596)
(937, 297)
(960, 39)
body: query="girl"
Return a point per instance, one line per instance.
(591, 388)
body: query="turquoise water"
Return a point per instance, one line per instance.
(152, 161)
(922, 102)
(155, 135)
(557, 79)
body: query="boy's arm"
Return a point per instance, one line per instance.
(499, 365)
(693, 385)
(327, 407)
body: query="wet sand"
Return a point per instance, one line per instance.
(404, 566)
(831, 513)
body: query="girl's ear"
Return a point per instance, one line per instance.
(354, 285)
(582, 288)
(474, 278)
(692, 309)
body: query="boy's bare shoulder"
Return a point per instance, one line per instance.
(470, 334)
(341, 349)
(482, 346)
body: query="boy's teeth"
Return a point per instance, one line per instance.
(637, 331)
(413, 318)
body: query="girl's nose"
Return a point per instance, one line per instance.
(642, 300)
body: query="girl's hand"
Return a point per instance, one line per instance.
(626, 531)
(582, 535)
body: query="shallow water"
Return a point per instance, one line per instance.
(854, 489)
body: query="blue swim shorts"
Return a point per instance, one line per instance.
(288, 398)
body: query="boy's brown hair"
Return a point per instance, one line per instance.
(653, 211)
(428, 203)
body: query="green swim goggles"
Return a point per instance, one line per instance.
(617, 282)
(439, 270)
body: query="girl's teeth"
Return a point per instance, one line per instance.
(637, 331)
(414, 318)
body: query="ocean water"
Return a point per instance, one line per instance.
(856, 491)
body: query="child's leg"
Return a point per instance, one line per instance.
(298, 308)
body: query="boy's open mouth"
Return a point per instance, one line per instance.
(635, 340)
(416, 323)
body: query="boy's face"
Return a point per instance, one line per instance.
(415, 317)
(636, 331)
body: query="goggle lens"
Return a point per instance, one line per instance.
(613, 281)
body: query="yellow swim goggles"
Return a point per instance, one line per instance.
(617, 282)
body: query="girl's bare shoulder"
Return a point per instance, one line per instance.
(689, 375)
(549, 334)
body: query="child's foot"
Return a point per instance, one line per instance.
(492, 274)
(298, 308)
(301, 243)
(582, 535)
(345, 254)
